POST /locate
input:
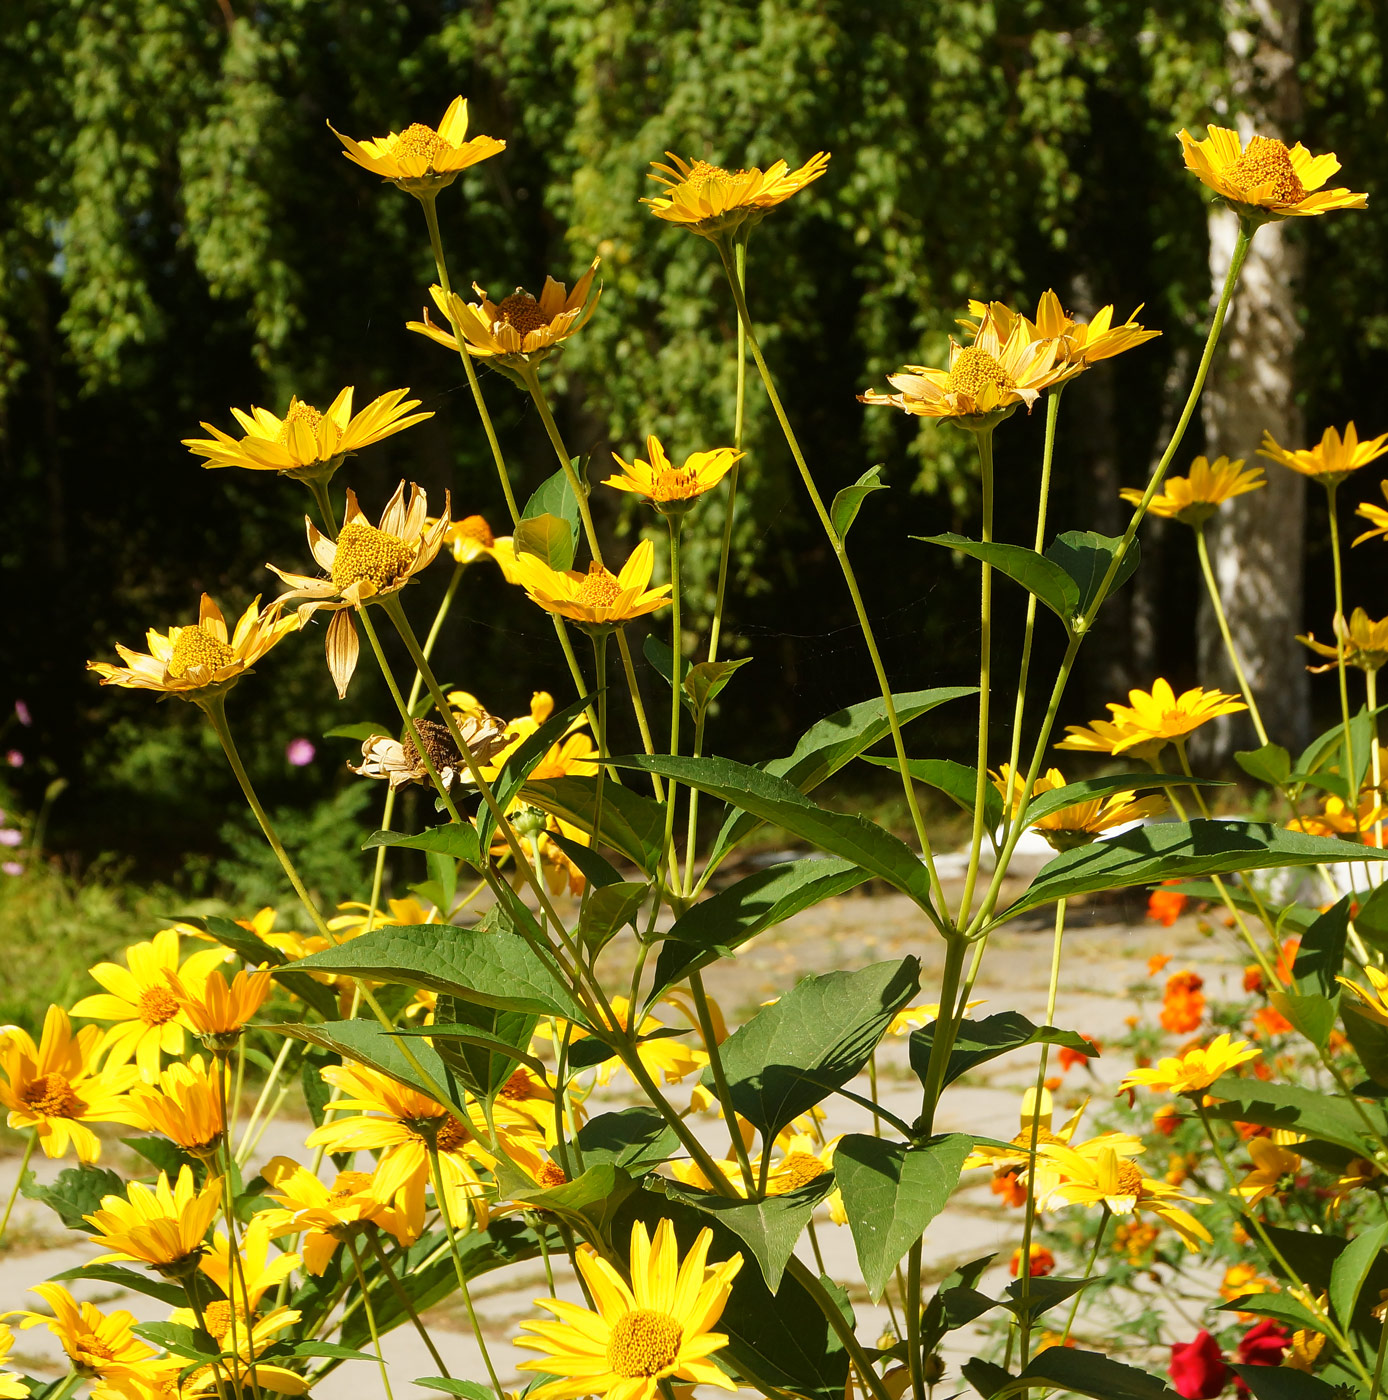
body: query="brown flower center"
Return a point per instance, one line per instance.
(1129, 1178)
(522, 311)
(1267, 161)
(298, 413)
(518, 1086)
(974, 370)
(157, 1006)
(52, 1096)
(438, 744)
(801, 1168)
(550, 1175)
(366, 553)
(452, 1135)
(644, 1343)
(420, 140)
(194, 648)
(599, 588)
(473, 527)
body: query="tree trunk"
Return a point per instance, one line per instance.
(1257, 540)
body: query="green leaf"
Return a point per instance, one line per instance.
(662, 658)
(985, 1376)
(854, 838)
(769, 1228)
(1085, 558)
(1321, 956)
(1281, 1307)
(790, 1055)
(361, 731)
(635, 1139)
(1269, 764)
(632, 825)
(1352, 1268)
(1371, 922)
(955, 1303)
(161, 1154)
(891, 1192)
(553, 500)
(469, 1390)
(977, 1042)
(76, 1193)
(520, 764)
(456, 839)
(482, 1044)
(734, 915)
(330, 1350)
(1057, 799)
(1285, 1383)
(1096, 1375)
(1308, 1111)
(1045, 1293)
(1312, 1015)
(958, 781)
(606, 909)
(495, 968)
(704, 680)
(129, 1279)
(190, 1342)
(1370, 1041)
(549, 539)
(1166, 850)
(596, 868)
(1043, 577)
(849, 500)
(1291, 918)
(588, 1202)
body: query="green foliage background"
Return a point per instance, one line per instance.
(181, 234)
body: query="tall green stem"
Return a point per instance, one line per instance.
(370, 1315)
(911, 1304)
(1212, 587)
(1351, 775)
(318, 489)
(18, 1182)
(676, 524)
(720, 1079)
(373, 1238)
(1088, 1270)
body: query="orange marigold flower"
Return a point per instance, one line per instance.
(1165, 906)
(1156, 962)
(1166, 1119)
(1070, 1058)
(1252, 978)
(1010, 1186)
(1270, 1021)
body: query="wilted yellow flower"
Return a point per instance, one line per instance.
(325, 1215)
(637, 1337)
(985, 381)
(97, 1344)
(1332, 459)
(1081, 822)
(710, 201)
(1264, 179)
(1193, 499)
(672, 490)
(186, 1106)
(518, 330)
(164, 1228)
(1078, 344)
(1364, 643)
(1195, 1070)
(365, 562)
(197, 662)
(399, 760)
(1272, 1165)
(420, 159)
(219, 1007)
(598, 600)
(306, 444)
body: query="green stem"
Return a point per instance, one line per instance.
(236, 1272)
(1377, 1388)
(946, 1028)
(912, 1307)
(195, 1303)
(1375, 764)
(676, 524)
(1088, 1270)
(370, 1314)
(720, 1079)
(843, 1329)
(1203, 549)
(1342, 668)
(600, 734)
(18, 1182)
(373, 1238)
(319, 491)
(243, 1147)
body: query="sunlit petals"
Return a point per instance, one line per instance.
(598, 599)
(1197, 1069)
(1264, 179)
(163, 1227)
(222, 1008)
(1195, 498)
(422, 159)
(709, 200)
(1332, 459)
(671, 489)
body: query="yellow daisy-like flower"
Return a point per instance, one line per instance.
(99, 1345)
(1118, 1183)
(256, 1271)
(1193, 499)
(1151, 720)
(420, 159)
(164, 1227)
(1197, 1069)
(672, 490)
(250, 1342)
(1273, 1164)
(666, 1056)
(185, 1106)
(1078, 344)
(364, 563)
(1081, 822)
(636, 1337)
(1038, 1118)
(519, 330)
(326, 1215)
(1376, 516)
(1110, 737)
(471, 539)
(709, 200)
(598, 600)
(59, 1086)
(306, 444)
(1335, 817)
(201, 661)
(1370, 1003)
(138, 1000)
(12, 1387)
(219, 1007)
(1265, 180)
(1332, 459)
(985, 381)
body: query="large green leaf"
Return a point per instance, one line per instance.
(76, 1192)
(792, 1054)
(632, 825)
(1086, 556)
(773, 799)
(482, 1044)
(1286, 1383)
(1093, 1374)
(958, 781)
(977, 1042)
(848, 501)
(891, 1192)
(606, 909)
(1370, 1041)
(1172, 850)
(588, 1203)
(1270, 764)
(1321, 955)
(170, 1294)
(635, 1139)
(490, 965)
(1043, 577)
(550, 539)
(1352, 1268)
(456, 839)
(1308, 1111)
(553, 500)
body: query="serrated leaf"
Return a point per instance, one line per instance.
(1311, 1015)
(662, 658)
(632, 825)
(588, 1202)
(1040, 576)
(977, 1042)
(457, 840)
(1281, 1307)
(483, 1044)
(76, 1193)
(1085, 557)
(848, 501)
(1303, 1110)
(190, 1342)
(1045, 1293)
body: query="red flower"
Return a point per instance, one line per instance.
(1264, 1344)
(1197, 1368)
(1070, 1058)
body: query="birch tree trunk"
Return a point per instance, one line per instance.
(1257, 541)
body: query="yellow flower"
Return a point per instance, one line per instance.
(1336, 819)
(1150, 721)
(1264, 179)
(365, 562)
(256, 1273)
(1364, 643)
(250, 1343)
(599, 599)
(672, 490)
(710, 201)
(1078, 344)
(97, 1344)
(1017, 1154)
(1354, 1177)
(186, 1107)
(1373, 1004)
(1332, 459)
(1118, 1183)
(520, 329)
(58, 1087)
(985, 381)
(1081, 822)
(199, 661)
(1272, 1165)
(636, 1337)
(325, 1215)
(220, 1007)
(164, 1227)
(1193, 499)
(471, 539)
(139, 1001)
(665, 1055)
(1110, 737)
(306, 444)
(12, 1387)
(1195, 1070)
(1376, 516)
(420, 159)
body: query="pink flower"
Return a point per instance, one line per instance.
(1197, 1368)
(15, 759)
(21, 713)
(300, 752)
(10, 836)
(12, 867)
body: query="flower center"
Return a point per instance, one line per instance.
(1267, 161)
(473, 527)
(452, 1135)
(522, 311)
(364, 552)
(1043, 1135)
(644, 1343)
(157, 1006)
(438, 744)
(217, 1316)
(298, 413)
(518, 1086)
(599, 588)
(801, 1168)
(674, 484)
(974, 370)
(93, 1347)
(701, 173)
(420, 140)
(52, 1096)
(551, 1175)
(1129, 1178)
(195, 648)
